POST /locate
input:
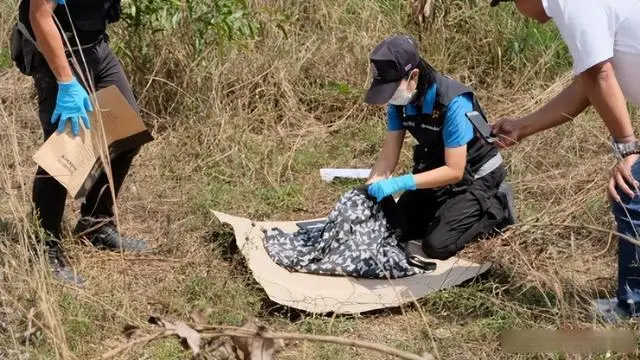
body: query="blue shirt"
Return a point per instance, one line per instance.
(457, 130)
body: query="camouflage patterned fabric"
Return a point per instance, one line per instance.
(356, 241)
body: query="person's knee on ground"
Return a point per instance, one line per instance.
(442, 241)
(431, 248)
(450, 232)
(445, 246)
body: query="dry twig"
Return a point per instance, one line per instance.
(254, 332)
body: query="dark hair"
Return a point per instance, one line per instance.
(426, 77)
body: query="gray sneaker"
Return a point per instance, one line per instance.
(106, 236)
(61, 268)
(610, 311)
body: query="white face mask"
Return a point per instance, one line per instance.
(402, 96)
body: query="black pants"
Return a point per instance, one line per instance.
(448, 220)
(48, 194)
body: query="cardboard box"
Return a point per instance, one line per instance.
(337, 294)
(75, 161)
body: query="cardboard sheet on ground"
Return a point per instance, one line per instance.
(75, 161)
(321, 294)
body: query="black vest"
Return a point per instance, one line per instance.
(89, 17)
(428, 131)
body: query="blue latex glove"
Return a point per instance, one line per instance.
(60, 2)
(383, 188)
(72, 103)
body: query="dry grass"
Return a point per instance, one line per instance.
(246, 131)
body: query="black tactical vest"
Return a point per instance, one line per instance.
(428, 131)
(89, 17)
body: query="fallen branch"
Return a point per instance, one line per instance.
(212, 332)
(326, 339)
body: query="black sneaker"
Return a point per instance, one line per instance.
(61, 268)
(416, 256)
(505, 192)
(106, 236)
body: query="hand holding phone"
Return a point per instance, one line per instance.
(482, 126)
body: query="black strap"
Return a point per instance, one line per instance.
(69, 37)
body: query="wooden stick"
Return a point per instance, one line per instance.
(329, 339)
(212, 332)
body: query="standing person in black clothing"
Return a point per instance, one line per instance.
(457, 190)
(40, 50)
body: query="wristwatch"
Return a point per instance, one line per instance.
(626, 149)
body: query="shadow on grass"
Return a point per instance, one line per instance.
(222, 239)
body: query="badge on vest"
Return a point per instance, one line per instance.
(409, 123)
(432, 128)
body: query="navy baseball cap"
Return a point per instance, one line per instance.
(497, 2)
(391, 61)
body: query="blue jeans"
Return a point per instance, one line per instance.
(627, 217)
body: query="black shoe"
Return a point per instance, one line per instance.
(61, 268)
(106, 236)
(505, 192)
(416, 256)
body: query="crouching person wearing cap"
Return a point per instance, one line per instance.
(457, 190)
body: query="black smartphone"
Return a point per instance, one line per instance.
(482, 126)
